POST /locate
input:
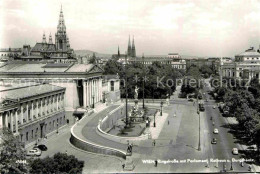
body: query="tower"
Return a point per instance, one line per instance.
(50, 39)
(118, 52)
(129, 49)
(44, 38)
(61, 36)
(133, 48)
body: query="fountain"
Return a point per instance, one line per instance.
(136, 115)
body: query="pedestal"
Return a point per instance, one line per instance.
(129, 165)
(136, 104)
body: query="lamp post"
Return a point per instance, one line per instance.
(199, 148)
(198, 111)
(154, 124)
(126, 93)
(57, 127)
(143, 79)
(93, 96)
(161, 107)
(231, 168)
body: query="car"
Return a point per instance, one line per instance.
(190, 99)
(34, 152)
(235, 151)
(42, 147)
(214, 107)
(214, 141)
(215, 131)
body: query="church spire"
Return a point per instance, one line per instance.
(118, 52)
(50, 39)
(43, 38)
(129, 49)
(61, 26)
(133, 48)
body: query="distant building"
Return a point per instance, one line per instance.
(173, 56)
(246, 65)
(32, 112)
(58, 50)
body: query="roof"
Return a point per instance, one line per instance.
(47, 67)
(43, 47)
(28, 91)
(249, 52)
(80, 68)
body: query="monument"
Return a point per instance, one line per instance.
(136, 115)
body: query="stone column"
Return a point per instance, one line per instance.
(22, 114)
(84, 94)
(57, 102)
(46, 105)
(27, 107)
(37, 109)
(12, 121)
(16, 121)
(32, 110)
(6, 120)
(1, 120)
(90, 93)
(87, 95)
(41, 108)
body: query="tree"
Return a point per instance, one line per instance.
(93, 59)
(11, 150)
(113, 67)
(59, 163)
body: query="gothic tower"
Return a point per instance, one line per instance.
(44, 38)
(61, 36)
(118, 52)
(133, 48)
(50, 39)
(129, 49)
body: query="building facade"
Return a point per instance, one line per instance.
(111, 88)
(58, 50)
(32, 112)
(246, 65)
(82, 81)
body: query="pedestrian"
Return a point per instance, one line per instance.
(242, 164)
(168, 122)
(66, 152)
(153, 142)
(155, 163)
(249, 168)
(123, 165)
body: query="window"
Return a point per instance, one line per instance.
(112, 84)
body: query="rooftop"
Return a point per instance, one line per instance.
(39, 67)
(28, 91)
(249, 52)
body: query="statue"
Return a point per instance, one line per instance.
(136, 92)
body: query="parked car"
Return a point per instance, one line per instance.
(42, 147)
(190, 99)
(215, 131)
(34, 152)
(214, 141)
(235, 151)
(214, 107)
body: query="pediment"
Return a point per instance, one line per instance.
(96, 69)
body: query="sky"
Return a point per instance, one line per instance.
(196, 28)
